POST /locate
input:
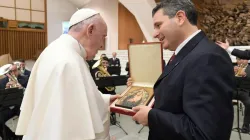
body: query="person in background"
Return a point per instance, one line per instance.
(6, 82)
(103, 55)
(115, 66)
(243, 70)
(114, 62)
(101, 70)
(236, 52)
(23, 70)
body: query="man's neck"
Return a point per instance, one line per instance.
(186, 37)
(188, 32)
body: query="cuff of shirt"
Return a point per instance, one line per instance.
(230, 50)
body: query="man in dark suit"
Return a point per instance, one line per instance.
(243, 70)
(236, 52)
(114, 64)
(193, 96)
(22, 68)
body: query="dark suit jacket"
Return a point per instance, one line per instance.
(241, 54)
(23, 80)
(193, 96)
(114, 63)
(27, 73)
(248, 71)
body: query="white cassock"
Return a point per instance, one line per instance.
(61, 101)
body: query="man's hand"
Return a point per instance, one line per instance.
(114, 97)
(236, 68)
(129, 82)
(223, 45)
(10, 83)
(142, 114)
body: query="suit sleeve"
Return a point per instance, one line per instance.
(207, 97)
(247, 70)
(241, 54)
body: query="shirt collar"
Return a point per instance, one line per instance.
(178, 49)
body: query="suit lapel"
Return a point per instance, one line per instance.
(181, 55)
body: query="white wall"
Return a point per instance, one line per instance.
(57, 12)
(109, 11)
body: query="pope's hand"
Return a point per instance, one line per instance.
(129, 82)
(223, 45)
(114, 97)
(141, 115)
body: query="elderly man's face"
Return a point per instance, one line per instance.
(114, 54)
(14, 71)
(97, 38)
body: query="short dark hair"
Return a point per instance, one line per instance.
(105, 58)
(171, 7)
(21, 60)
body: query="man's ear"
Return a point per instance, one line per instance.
(90, 29)
(180, 17)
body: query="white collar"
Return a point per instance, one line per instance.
(185, 42)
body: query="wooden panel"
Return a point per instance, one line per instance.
(3, 42)
(7, 13)
(8, 3)
(12, 24)
(128, 29)
(23, 4)
(37, 5)
(21, 44)
(38, 16)
(22, 15)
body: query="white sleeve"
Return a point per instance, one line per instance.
(230, 50)
(106, 98)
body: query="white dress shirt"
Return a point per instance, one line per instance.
(185, 42)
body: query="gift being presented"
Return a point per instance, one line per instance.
(145, 65)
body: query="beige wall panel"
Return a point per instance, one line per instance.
(8, 3)
(7, 13)
(37, 5)
(38, 16)
(23, 4)
(23, 15)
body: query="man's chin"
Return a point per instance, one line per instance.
(165, 47)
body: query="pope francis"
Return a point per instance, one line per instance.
(61, 101)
